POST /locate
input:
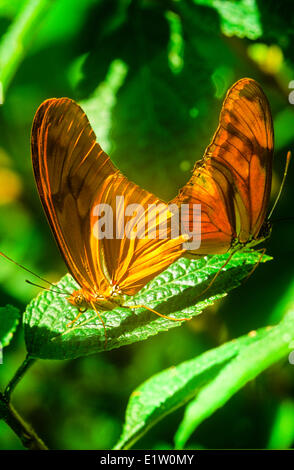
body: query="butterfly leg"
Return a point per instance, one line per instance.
(92, 318)
(262, 252)
(76, 318)
(88, 320)
(103, 324)
(217, 274)
(68, 326)
(157, 313)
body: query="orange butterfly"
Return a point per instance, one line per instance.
(233, 180)
(74, 178)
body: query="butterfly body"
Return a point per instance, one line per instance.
(264, 234)
(83, 300)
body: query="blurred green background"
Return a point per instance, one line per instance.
(151, 76)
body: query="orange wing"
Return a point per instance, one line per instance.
(233, 180)
(73, 177)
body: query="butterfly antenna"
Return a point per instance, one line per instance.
(288, 158)
(103, 324)
(26, 269)
(46, 288)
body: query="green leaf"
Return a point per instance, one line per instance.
(274, 345)
(215, 375)
(99, 105)
(173, 387)
(240, 18)
(9, 318)
(175, 292)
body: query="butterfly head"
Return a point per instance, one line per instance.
(84, 299)
(80, 299)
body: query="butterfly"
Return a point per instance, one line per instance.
(76, 179)
(232, 182)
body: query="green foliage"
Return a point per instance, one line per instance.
(237, 18)
(172, 388)
(214, 377)
(152, 76)
(282, 432)
(100, 104)
(176, 292)
(18, 39)
(266, 348)
(9, 319)
(2, 407)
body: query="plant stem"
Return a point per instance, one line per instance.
(23, 430)
(27, 363)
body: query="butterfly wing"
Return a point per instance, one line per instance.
(73, 177)
(233, 180)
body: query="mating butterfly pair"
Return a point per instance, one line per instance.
(232, 183)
